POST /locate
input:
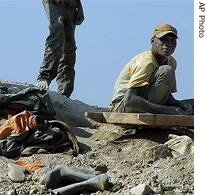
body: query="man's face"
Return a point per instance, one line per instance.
(164, 46)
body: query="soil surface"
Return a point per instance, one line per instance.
(127, 154)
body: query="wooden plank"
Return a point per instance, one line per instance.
(142, 119)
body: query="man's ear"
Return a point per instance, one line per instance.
(152, 40)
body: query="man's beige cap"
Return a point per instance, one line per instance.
(163, 29)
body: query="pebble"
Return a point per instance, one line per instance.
(16, 172)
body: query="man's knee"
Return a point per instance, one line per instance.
(166, 70)
(165, 74)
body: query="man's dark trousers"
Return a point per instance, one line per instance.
(60, 47)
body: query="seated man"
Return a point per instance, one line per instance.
(146, 83)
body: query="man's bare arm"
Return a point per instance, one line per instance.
(135, 103)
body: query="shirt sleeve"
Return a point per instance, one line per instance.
(140, 71)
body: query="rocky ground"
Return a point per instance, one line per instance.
(132, 156)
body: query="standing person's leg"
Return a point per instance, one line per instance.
(161, 84)
(54, 45)
(66, 72)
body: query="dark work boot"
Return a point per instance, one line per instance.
(64, 174)
(100, 182)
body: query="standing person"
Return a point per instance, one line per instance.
(147, 82)
(60, 47)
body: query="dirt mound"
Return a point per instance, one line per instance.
(128, 155)
(132, 155)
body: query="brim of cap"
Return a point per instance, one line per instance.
(159, 35)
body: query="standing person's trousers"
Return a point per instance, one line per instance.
(60, 47)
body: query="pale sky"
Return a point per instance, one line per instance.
(113, 32)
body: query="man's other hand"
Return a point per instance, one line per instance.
(79, 17)
(187, 107)
(56, 1)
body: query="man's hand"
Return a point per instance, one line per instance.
(186, 106)
(79, 17)
(172, 110)
(182, 105)
(56, 1)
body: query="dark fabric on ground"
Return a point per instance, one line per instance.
(49, 139)
(32, 99)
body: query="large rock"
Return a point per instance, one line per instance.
(72, 111)
(141, 189)
(180, 145)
